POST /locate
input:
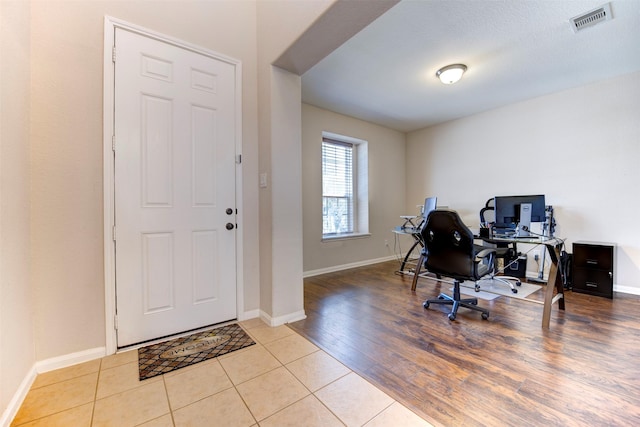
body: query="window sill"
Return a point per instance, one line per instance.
(349, 236)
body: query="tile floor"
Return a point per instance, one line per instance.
(283, 380)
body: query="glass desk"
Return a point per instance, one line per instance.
(554, 293)
(555, 289)
(414, 252)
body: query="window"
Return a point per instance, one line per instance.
(344, 197)
(337, 187)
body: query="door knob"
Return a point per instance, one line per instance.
(229, 226)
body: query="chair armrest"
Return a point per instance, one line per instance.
(484, 254)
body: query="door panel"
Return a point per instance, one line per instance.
(174, 180)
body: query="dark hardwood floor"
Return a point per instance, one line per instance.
(505, 371)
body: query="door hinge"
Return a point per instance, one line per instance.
(239, 158)
(113, 142)
(113, 233)
(113, 54)
(115, 322)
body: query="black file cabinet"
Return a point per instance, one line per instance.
(593, 268)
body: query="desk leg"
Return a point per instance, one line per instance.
(417, 272)
(417, 244)
(554, 285)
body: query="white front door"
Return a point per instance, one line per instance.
(175, 210)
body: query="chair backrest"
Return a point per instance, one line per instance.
(449, 246)
(487, 208)
(483, 218)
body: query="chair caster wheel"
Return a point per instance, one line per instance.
(518, 283)
(485, 316)
(452, 316)
(477, 288)
(514, 290)
(425, 304)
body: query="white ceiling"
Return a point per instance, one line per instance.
(514, 50)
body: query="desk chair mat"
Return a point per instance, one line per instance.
(490, 290)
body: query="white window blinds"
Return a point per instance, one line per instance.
(337, 187)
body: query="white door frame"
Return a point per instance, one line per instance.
(110, 24)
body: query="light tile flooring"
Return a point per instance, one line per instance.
(283, 380)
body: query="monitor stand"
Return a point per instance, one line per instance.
(525, 220)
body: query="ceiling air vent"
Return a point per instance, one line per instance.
(591, 18)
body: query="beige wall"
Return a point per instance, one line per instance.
(387, 185)
(66, 140)
(17, 352)
(54, 306)
(280, 23)
(579, 147)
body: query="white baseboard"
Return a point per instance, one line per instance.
(70, 359)
(363, 263)
(530, 275)
(281, 320)
(251, 314)
(45, 366)
(626, 289)
(12, 408)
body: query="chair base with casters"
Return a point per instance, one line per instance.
(510, 281)
(507, 280)
(455, 301)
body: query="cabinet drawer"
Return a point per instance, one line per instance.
(592, 256)
(595, 282)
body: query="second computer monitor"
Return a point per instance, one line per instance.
(508, 211)
(429, 205)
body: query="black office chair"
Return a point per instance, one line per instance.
(507, 252)
(449, 251)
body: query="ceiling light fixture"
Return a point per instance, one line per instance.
(451, 73)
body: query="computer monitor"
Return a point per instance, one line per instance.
(429, 205)
(508, 213)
